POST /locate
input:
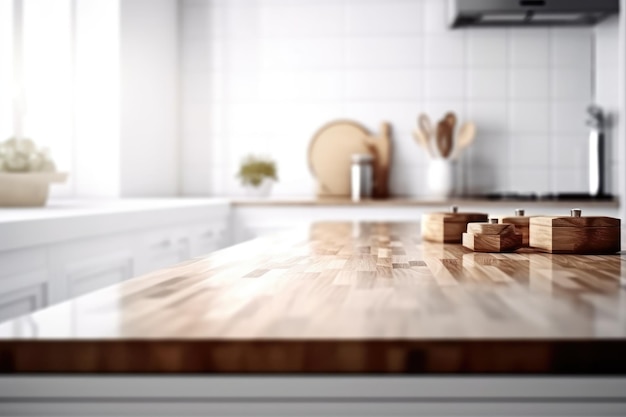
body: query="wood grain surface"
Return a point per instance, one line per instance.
(521, 223)
(340, 298)
(448, 227)
(486, 237)
(575, 234)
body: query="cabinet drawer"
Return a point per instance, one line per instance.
(206, 238)
(161, 249)
(98, 272)
(87, 265)
(22, 301)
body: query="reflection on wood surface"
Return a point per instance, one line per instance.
(340, 297)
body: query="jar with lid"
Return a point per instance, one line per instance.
(362, 176)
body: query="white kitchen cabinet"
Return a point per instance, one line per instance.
(54, 255)
(85, 265)
(23, 281)
(23, 301)
(162, 248)
(206, 238)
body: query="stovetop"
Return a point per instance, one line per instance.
(546, 197)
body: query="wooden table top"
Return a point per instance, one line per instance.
(341, 297)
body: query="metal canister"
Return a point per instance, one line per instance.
(362, 176)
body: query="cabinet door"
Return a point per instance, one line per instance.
(22, 301)
(23, 281)
(161, 249)
(97, 272)
(87, 265)
(206, 238)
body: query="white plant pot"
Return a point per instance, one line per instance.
(27, 189)
(263, 190)
(440, 178)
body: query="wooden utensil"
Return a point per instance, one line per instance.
(329, 155)
(444, 138)
(450, 119)
(380, 147)
(423, 121)
(421, 140)
(465, 138)
(426, 127)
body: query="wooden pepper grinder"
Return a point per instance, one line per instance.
(492, 237)
(575, 234)
(521, 223)
(448, 227)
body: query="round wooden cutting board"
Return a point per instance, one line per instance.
(330, 155)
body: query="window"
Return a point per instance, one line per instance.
(66, 95)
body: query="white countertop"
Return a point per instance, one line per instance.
(64, 208)
(69, 219)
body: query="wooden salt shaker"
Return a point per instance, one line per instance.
(492, 237)
(448, 227)
(575, 234)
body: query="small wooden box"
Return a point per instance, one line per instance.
(492, 237)
(448, 227)
(521, 223)
(575, 234)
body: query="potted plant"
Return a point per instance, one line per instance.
(25, 173)
(257, 175)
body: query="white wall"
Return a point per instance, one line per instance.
(606, 92)
(262, 75)
(149, 98)
(95, 168)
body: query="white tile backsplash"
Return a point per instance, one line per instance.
(529, 84)
(444, 51)
(571, 48)
(302, 19)
(378, 18)
(487, 48)
(529, 117)
(489, 84)
(444, 84)
(570, 84)
(529, 151)
(565, 117)
(529, 48)
(391, 84)
(386, 52)
(263, 75)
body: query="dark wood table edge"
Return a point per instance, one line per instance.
(316, 356)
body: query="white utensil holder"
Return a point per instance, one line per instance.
(441, 178)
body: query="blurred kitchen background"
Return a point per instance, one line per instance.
(164, 98)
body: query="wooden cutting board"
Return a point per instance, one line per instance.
(380, 147)
(330, 153)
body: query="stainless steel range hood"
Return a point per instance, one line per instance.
(464, 13)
